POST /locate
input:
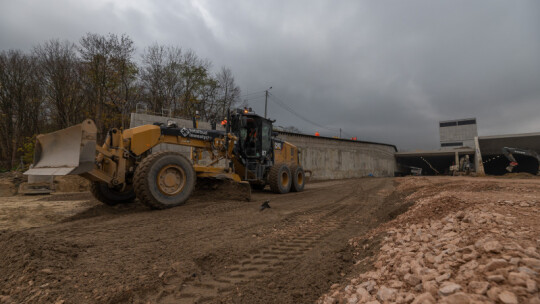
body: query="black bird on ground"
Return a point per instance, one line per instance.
(265, 205)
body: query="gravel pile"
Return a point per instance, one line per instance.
(487, 252)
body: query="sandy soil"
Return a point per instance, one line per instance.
(22, 212)
(10, 183)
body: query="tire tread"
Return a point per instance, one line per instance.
(139, 180)
(294, 185)
(274, 178)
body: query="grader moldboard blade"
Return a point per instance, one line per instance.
(67, 151)
(223, 188)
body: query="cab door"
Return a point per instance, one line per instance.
(266, 138)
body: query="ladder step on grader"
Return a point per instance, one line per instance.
(124, 167)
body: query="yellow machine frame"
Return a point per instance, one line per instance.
(114, 160)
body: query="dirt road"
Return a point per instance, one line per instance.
(209, 250)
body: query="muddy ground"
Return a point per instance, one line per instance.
(209, 250)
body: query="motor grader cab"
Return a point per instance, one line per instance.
(261, 158)
(124, 167)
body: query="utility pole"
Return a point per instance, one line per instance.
(339, 132)
(266, 101)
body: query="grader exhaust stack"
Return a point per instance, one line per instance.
(67, 151)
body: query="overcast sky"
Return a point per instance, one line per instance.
(384, 71)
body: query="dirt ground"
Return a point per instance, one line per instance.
(216, 251)
(68, 248)
(463, 240)
(11, 182)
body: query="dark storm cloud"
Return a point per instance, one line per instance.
(384, 71)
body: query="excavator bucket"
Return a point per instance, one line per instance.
(67, 151)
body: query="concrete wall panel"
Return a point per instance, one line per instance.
(330, 158)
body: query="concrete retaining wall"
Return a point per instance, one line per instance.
(331, 158)
(327, 158)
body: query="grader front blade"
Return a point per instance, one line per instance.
(67, 151)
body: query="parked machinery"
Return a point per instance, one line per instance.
(508, 153)
(124, 167)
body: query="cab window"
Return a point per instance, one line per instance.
(266, 136)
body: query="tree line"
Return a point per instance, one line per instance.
(60, 83)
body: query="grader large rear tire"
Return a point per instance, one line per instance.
(111, 196)
(279, 178)
(164, 180)
(298, 178)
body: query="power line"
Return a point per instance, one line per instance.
(284, 105)
(258, 92)
(253, 98)
(292, 111)
(347, 134)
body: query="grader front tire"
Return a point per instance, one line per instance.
(280, 179)
(164, 180)
(111, 196)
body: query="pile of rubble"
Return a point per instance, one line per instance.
(485, 253)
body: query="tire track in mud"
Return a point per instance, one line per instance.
(267, 259)
(194, 209)
(292, 218)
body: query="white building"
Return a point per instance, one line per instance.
(458, 133)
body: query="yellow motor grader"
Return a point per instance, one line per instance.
(124, 167)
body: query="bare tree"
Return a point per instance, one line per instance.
(176, 80)
(20, 102)
(60, 73)
(209, 102)
(109, 76)
(152, 76)
(124, 77)
(228, 91)
(194, 77)
(161, 77)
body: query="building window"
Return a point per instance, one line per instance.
(448, 124)
(467, 122)
(452, 144)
